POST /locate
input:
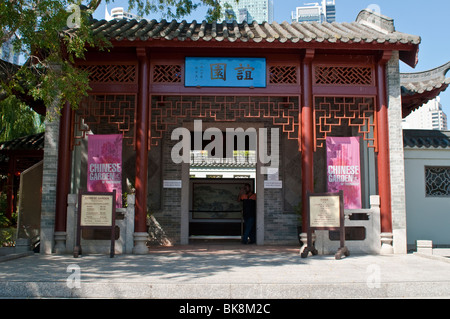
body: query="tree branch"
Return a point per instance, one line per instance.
(93, 5)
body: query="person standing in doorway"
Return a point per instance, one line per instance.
(248, 198)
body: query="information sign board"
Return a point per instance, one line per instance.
(325, 212)
(96, 211)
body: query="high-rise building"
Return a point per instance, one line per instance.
(7, 52)
(316, 12)
(428, 117)
(248, 10)
(119, 13)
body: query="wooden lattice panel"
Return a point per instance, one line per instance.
(332, 75)
(167, 73)
(110, 73)
(106, 114)
(283, 75)
(169, 112)
(333, 112)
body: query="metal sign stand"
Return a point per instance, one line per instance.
(96, 211)
(325, 219)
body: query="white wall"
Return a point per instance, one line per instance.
(428, 218)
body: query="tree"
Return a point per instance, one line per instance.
(52, 34)
(17, 120)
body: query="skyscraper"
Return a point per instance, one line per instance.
(248, 10)
(430, 116)
(119, 13)
(7, 52)
(316, 12)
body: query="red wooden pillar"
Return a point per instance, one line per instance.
(64, 167)
(10, 185)
(307, 131)
(142, 117)
(384, 176)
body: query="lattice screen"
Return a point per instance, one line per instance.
(169, 111)
(167, 73)
(283, 75)
(333, 112)
(106, 114)
(437, 181)
(332, 75)
(111, 73)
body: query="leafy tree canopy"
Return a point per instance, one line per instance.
(51, 34)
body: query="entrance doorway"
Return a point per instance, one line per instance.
(215, 212)
(268, 117)
(214, 185)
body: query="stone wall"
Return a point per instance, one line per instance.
(48, 209)
(397, 164)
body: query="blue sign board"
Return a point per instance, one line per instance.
(225, 72)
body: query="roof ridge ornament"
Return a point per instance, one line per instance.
(371, 17)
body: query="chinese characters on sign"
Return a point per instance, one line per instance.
(226, 72)
(244, 70)
(219, 71)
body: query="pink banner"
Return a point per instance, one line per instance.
(105, 165)
(344, 169)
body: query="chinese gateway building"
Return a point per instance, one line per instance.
(294, 90)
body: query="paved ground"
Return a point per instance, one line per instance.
(224, 271)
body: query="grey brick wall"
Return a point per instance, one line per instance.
(280, 226)
(397, 164)
(48, 207)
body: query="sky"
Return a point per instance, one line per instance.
(427, 19)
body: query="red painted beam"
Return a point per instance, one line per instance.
(314, 45)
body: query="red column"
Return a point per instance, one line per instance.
(10, 185)
(142, 115)
(307, 131)
(384, 176)
(64, 167)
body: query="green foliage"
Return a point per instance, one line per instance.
(7, 232)
(4, 222)
(17, 119)
(7, 237)
(51, 42)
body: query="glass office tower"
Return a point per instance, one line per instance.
(315, 12)
(248, 10)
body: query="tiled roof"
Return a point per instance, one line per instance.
(361, 31)
(32, 142)
(426, 139)
(420, 82)
(420, 87)
(222, 165)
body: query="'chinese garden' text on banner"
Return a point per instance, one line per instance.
(344, 169)
(105, 165)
